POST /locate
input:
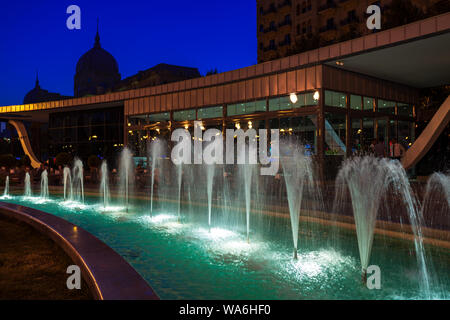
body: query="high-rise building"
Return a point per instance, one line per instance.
(285, 27)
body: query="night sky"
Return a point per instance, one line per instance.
(205, 34)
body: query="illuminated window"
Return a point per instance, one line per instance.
(184, 115)
(335, 99)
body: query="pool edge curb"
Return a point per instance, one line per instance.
(108, 275)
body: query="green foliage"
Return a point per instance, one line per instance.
(212, 71)
(25, 161)
(63, 159)
(7, 160)
(94, 161)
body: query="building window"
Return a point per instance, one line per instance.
(287, 18)
(369, 103)
(285, 102)
(386, 106)
(261, 46)
(355, 102)
(335, 99)
(406, 133)
(287, 39)
(330, 23)
(404, 109)
(246, 108)
(272, 44)
(302, 127)
(184, 115)
(298, 10)
(210, 112)
(335, 129)
(280, 103)
(261, 28)
(159, 117)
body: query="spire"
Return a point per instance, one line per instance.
(97, 38)
(37, 79)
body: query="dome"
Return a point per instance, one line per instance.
(37, 94)
(97, 71)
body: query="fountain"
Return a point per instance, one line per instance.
(155, 154)
(44, 185)
(240, 201)
(27, 192)
(436, 200)
(368, 180)
(77, 181)
(179, 168)
(6, 191)
(126, 172)
(210, 169)
(298, 175)
(104, 185)
(68, 192)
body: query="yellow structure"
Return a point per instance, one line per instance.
(427, 138)
(25, 142)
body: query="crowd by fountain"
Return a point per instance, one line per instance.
(364, 182)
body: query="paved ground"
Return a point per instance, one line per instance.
(32, 266)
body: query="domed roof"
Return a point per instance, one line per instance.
(97, 71)
(97, 59)
(37, 94)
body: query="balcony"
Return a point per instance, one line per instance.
(285, 3)
(327, 28)
(269, 29)
(329, 5)
(350, 20)
(269, 48)
(285, 22)
(272, 9)
(285, 42)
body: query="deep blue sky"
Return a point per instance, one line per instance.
(139, 34)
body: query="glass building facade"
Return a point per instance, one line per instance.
(89, 132)
(351, 122)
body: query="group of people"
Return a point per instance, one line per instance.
(396, 149)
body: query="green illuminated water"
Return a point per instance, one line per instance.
(185, 261)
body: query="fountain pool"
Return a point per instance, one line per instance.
(186, 261)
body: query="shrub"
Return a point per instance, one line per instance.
(7, 160)
(25, 161)
(63, 159)
(93, 161)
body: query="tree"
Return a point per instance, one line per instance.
(212, 71)
(63, 159)
(7, 160)
(25, 161)
(94, 161)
